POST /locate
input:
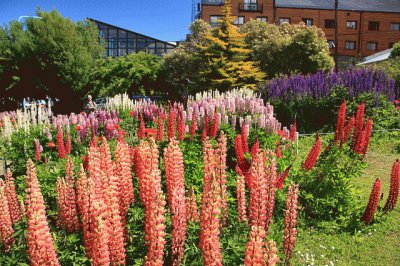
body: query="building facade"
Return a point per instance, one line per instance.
(365, 27)
(121, 42)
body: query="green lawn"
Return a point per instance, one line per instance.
(377, 244)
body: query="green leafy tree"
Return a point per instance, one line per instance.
(51, 56)
(182, 66)
(396, 50)
(138, 73)
(228, 57)
(288, 49)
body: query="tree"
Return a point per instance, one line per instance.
(52, 56)
(182, 66)
(227, 56)
(288, 49)
(138, 73)
(396, 50)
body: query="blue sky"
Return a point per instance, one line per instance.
(167, 20)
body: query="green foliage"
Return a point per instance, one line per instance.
(326, 192)
(53, 56)
(383, 112)
(215, 58)
(396, 50)
(137, 73)
(392, 67)
(287, 49)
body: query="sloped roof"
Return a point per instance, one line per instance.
(350, 5)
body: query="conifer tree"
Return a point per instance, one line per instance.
(228, 64)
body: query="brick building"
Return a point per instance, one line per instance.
(364, 26)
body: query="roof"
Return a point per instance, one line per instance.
(130, 31)
(349, 5)
(381, 56)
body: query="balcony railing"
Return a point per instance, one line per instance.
(213, 2)
(251, 7)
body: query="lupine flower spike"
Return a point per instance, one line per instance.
(394, 187)
(313, 155)
(372, 206)
(340, 123)
(6, 229)
(289, 238)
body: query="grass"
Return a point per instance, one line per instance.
(376, 244)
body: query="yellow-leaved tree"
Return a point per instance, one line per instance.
(226, 57)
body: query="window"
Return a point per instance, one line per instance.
(250, 4)
(265, 19)
(331, 44)
(239, 21)
(330, 23)
(284, 20)
(308, 21)
(214, 20)
(351, 24)
(373, 25)
(372, 46)
(350, 45)
(395, 26)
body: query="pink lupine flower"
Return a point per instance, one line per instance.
(6, 229)
(38, 150)
(13, 204)
(241, 198)
(192, 210)
(40, 244)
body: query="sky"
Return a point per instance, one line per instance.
(160, 19)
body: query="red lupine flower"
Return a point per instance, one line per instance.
(141, 133)
(348, 129)
(282, 134)
(175, 180)
(192, 210)
(313, 155)
(293, 131)
(38, 152)
(368, 132)
(394, 187)
(60, 143)
(221, 174)
(193, 125)
(160, 128)
(255, 148)
(13, 204)
(6, 229)
(244, 139)
(255, 248)
(40, 244)
(358, 125)
(181, 126)
(278, 150)
(340, 123)
(68, 144)
(78, 127)
(289, 238)
(206, 122)
(51, 144)
(282, 177)
(241, 198)
(215, 124)
(372, 206)
(171, 123)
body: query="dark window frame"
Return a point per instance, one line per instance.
(373, 25)
(330, 23)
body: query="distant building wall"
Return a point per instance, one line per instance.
(357, 36)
